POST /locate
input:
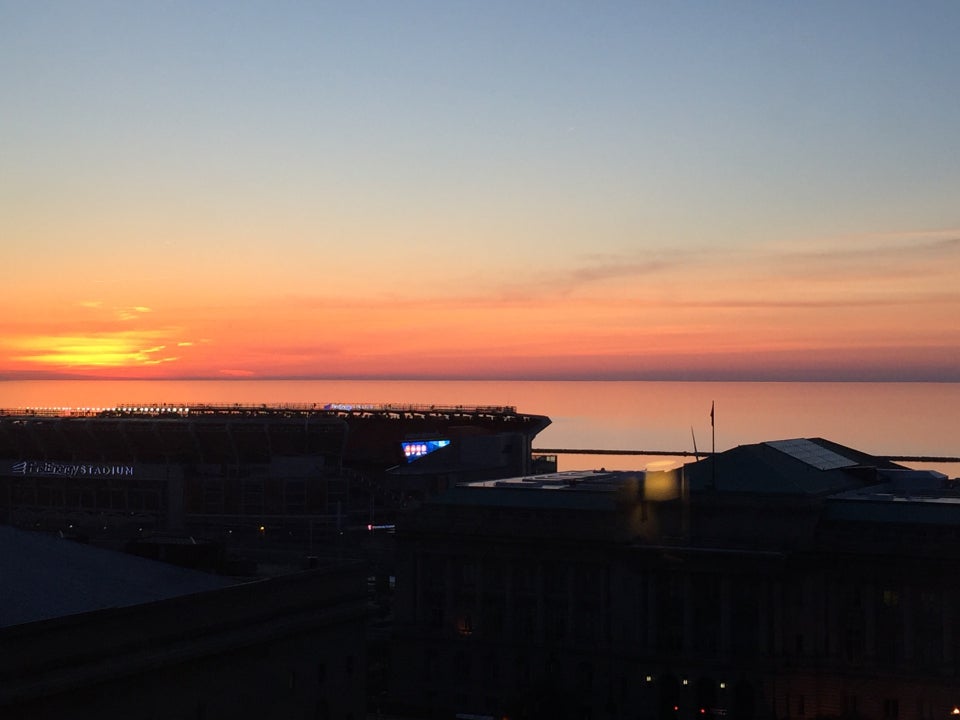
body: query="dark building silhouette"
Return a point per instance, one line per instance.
(228, 489)
(790, 579)
(91, 633)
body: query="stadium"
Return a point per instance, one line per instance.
(245, 469)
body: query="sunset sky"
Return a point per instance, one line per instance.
(485, 189)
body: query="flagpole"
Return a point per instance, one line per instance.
(713, 446)
(713, 429)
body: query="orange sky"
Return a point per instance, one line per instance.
(479, 190)
(875, 308)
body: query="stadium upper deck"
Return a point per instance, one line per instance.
(244, 432)
(393, 411)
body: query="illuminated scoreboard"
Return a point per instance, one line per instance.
(415, 449)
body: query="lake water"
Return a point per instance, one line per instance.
(879, 418)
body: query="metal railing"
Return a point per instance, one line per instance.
(182, 409)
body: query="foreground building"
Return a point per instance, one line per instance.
(789, 579)
(90, 633)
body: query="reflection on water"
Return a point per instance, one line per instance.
(878, 418)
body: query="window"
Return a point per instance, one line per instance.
(468, 577)
(891, 708)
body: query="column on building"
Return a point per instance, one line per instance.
(726, 616)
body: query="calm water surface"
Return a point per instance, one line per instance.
(878, 418)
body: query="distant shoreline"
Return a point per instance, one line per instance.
(690, 453)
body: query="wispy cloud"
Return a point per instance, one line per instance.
(611, 270)
(833, 302)
(886, 256)
(585, 275)
(131, 313)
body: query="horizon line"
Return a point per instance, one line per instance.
(774, 378)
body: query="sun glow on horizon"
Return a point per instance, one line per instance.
(99, 351)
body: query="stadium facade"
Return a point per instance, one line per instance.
(251, 469)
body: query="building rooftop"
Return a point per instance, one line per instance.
(571, 480)
(798, 466)
(46, 576)
(915, 497)
(570, 490)
(768, 496)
